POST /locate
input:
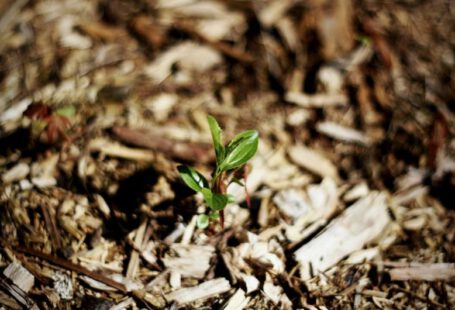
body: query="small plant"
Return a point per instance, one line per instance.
(231, 166)
(53, 123)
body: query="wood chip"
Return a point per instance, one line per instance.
(202, 291)
(43, 182)
(125, 304)
(316, 101)
(63, 285)
(423, 272)
(274, 12)
(238, 301)
(16, 173)
(359, 224)
(20, 276)
(8, 18)
(15, 112)
(272, 292)
(19, 295)
(321, 203)
(175, 280)
(133, 264)
(148, 30)
(313, 161)
(117, 150)
(189, 230)
(358, 191)
(102, 31)
(188, 55)
(103, 206)
(343, 133)
(251, 283)
(292, 203)
(200, 152)
(186, 256)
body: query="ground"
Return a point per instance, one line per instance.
(351, 187)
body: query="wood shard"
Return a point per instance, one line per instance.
(116, 150)
(151, 33)
(184, 262)
(238, 301)
(16, 173)
(125, 304)
(316, 101)
(19, 295)
(189, 55)
(73, 267)
(343, 133)
(313, 161)
(201, 291)
(102, 31)
(271, 291)
(190, 151)
(424, 272)
(360, 224)
(102, 205)
(133, 264)
(251, 283)
(274, 12)
(20, 276)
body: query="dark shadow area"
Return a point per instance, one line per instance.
(128, 199)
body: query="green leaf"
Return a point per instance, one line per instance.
(67, 111)
(241, 149)
(215, 130)
(192, 178)
(219, 201)
(207, 193)
(364, 40)
(214, 200)
(231, 198)
(214, 215)
(38, 126)
(202, 221)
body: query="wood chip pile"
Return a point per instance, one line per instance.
(352, 186)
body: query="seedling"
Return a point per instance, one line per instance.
(231, 166)
(53, 122)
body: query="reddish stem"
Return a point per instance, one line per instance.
(220, 188)
(222, 218)
(247, 194)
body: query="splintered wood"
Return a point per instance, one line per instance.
(360, 224)
(189, 260)
(20, 276)
(420, 272)
(19, 284)
(238, 301)
(202, 291)
(313, 161)
(117, 150)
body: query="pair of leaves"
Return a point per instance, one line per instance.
(198, 183)
(241, 149)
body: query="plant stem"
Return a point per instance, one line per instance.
(220, 187)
